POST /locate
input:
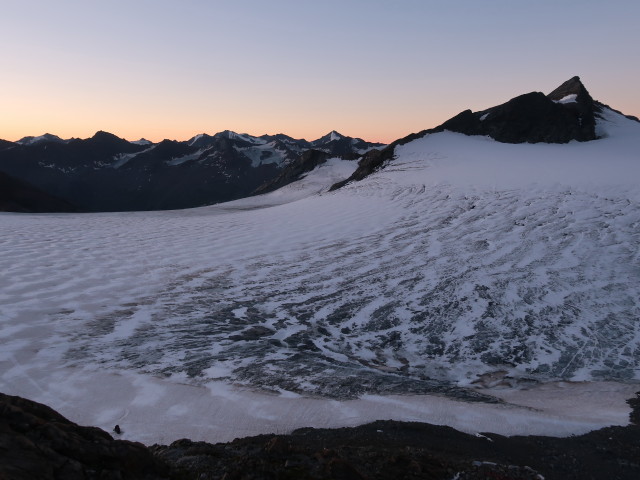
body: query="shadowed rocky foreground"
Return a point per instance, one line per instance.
(38, 443)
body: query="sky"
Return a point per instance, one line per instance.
(374, 69)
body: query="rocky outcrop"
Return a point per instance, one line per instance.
(389, 449)
(37, 442)
(567, 113)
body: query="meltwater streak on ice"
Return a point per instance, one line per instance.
(462, 257)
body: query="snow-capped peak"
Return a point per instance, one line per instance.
(47, 137)
(142, 141)
(333, 135)
(244, 137)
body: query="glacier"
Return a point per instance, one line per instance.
(482, 285)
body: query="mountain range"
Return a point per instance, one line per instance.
(108, 173)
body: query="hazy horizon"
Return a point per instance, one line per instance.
(370, 69)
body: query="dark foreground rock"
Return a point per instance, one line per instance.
(36, 442)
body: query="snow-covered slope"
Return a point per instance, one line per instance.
(464, 263)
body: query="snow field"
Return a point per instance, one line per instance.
(464, 259)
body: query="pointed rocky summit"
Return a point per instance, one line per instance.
(566, 114)
(572, 86)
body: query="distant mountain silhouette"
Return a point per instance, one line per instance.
(108, 173)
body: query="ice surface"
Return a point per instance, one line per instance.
(464, 263)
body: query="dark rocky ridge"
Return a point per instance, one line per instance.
(529, 118)
(37, 442)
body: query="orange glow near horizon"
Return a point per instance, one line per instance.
(384, 125)
(384, 71)
(69, 117)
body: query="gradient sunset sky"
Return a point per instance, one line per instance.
(375, 69)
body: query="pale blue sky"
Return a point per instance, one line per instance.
(375, 69)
